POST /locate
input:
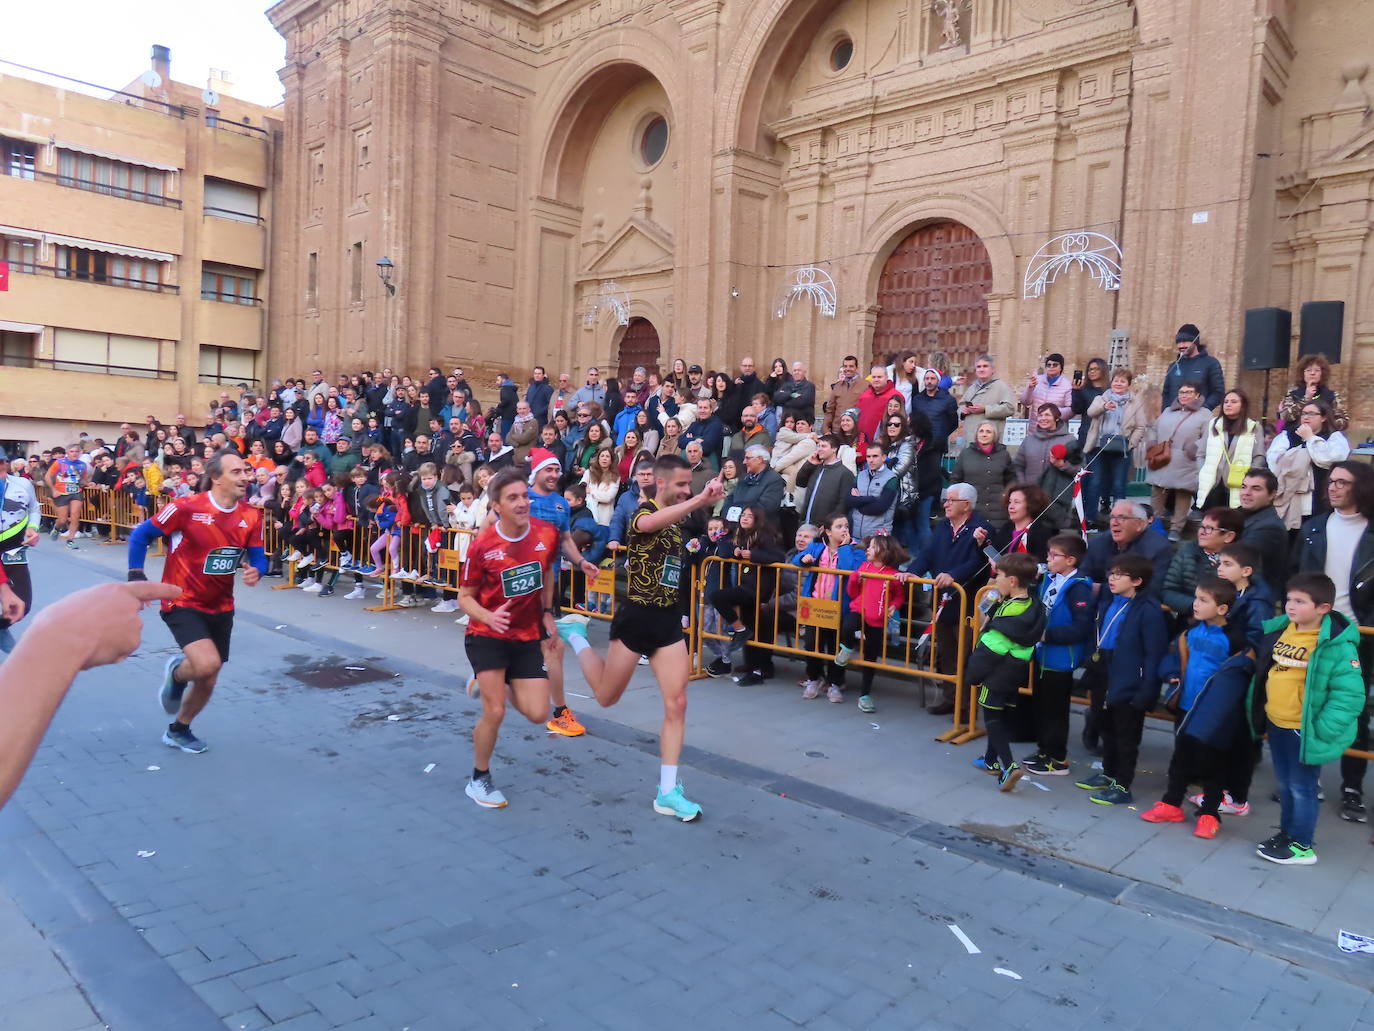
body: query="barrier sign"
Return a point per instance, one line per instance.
(448, 559)
(818, 612)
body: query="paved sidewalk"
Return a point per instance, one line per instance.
(34, 981)
(898, 764)
(313, 870)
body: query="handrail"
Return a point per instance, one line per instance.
(239, 128)
(109, 190)
(124, 282)
(64, 365)
(170, 109)
(223, 298)
(229, 214)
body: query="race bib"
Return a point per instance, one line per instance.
(521, 580)
(672, 572)
(223, 561)
(15, 556)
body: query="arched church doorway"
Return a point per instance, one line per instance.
(639, 346)
(933, 295)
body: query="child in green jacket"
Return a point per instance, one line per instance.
(1308, 691)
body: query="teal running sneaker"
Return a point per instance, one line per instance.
(1096, 782)
(674, 803)
(170, 693)
(570, 626)
(1113, 794)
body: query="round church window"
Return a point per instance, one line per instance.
(842, 54)
(653, 141)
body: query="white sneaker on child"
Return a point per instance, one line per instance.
(447, 605)
(356, 593)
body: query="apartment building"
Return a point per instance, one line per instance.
(134, 229)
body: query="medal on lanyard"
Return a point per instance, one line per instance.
(1097, 652)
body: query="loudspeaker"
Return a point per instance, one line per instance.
(1268, 333)
(1321, 323)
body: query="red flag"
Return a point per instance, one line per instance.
(4, 276)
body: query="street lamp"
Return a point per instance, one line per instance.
(384, 270)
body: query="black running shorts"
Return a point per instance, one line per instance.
(644, 629)
(189, 625)
(522, 660)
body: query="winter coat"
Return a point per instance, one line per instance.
(1225, 461)
(1135, 423)
(1141, 642)
(1264, 531)
(1285, 459)
(844, 395)
(333, 514)
(1202, 368)
(1057, 483)
(872, 407)
(1217, 714)
(538, 396)
(960, 556)
(1190, 564)
(1068, 624)
(825, 491)
(1083, 397)
(872, 598)
(427, 508)
(942, 411)
(1310, 557)
(522, 436)
(601, 497)
(765, 490)
(848, 556)
(1033, 456)
(1102, 550)
(1000, 661)
(1185, 427)
(1042, 391)
(996, 397)
(790, 450)
(1333, 693)
(873, 509)
(743, 439)
(797, 398)
(580, 518)
(989, 473)
(1034, 542)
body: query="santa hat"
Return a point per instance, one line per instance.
(540, 457)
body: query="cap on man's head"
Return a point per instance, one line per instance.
(694, 368)
(1187, 333)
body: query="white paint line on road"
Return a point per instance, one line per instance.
(393, 718)
(147, 855)
(1007, 973)
(154, 769)
(964, 940)
(430, 768)
(576, 695)
(1039, 785)
(357, 669)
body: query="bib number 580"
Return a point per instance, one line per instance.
(223, 561)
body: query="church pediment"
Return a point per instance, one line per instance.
(638, 246)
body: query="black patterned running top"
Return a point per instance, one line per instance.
(655, 562)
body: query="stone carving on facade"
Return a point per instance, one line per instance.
(815, 285)
(951, 29)
(1097, 254)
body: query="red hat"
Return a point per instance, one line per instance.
(540, 457)
(1059, 451)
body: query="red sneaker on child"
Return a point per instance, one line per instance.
(1163, 812)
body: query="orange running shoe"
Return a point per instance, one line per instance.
(1163, 812)
(1207, 826)
(566, 724)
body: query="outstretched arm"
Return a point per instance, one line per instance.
(140, 538)
(652, 522)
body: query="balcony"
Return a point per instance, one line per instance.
(239, 153)
(223, 324)
(40, 203)
(228, 238)
(103, 307)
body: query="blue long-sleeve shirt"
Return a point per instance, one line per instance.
(143, 535)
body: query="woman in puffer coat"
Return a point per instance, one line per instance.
(1033, 457)
(1235, 443)
(986, 466)
(1183, 424)
(793, 447)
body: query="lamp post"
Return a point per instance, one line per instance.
(384, 270)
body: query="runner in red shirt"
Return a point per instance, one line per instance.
(213, 535)
(507, 592)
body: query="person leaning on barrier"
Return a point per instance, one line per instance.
(1340, 544)
(953, 557)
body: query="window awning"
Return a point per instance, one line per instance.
(27, 234)
(27, 137)
(81, 148)
(20, 327)
(108, 248)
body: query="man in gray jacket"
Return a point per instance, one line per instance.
(592, 391)
(760, 486)
(873, 500)
(825, 482)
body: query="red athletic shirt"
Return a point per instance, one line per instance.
(503, 570)
(207, 546)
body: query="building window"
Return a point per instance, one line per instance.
(111, 269)
(355, 291)
(653, 140)
(21, 254)
(228, 283)
(312, 280)
(19, 157)
(234, 201)
(222, 365)
(841, 54)
(18, 349)
(79, 350)
(116, 178)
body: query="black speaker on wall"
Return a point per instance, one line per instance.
(1268, 333)
(1320, 324)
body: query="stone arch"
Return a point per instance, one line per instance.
(776, 33)
(904, 216)
(585, 91)
(608, 333)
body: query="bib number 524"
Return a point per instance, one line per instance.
(522, 579)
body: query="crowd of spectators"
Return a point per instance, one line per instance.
(900, 468)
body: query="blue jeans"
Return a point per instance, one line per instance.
(913, 531)
(1106, 480)
(1297, 785)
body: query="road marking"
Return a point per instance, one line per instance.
(430, 768)
(1007, 973)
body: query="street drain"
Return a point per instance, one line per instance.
(339, 676)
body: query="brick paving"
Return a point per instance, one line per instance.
(309, 874)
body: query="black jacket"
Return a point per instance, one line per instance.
(798, 399)
(1201, 368)
(1154, 546)
(1264, 531)
(825, 491)
(942, 412)
(1310, 557)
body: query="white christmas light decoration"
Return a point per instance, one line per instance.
(1098, 254)
(609, 297)
(815, 285)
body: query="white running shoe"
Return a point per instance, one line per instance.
(447, 605)
(313, 587)
(399, 574)
(295, 556)
(462, 620)
(482, 792)
(473, 688)
(414, 576)
(309, 560)
(346, 560)
(356, 593)
(406, 601)
(812, 688)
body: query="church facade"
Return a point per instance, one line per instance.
(619, 182)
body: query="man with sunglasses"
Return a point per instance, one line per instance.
(1340, 543)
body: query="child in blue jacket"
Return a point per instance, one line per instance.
(833, 550)
(1209, 675)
